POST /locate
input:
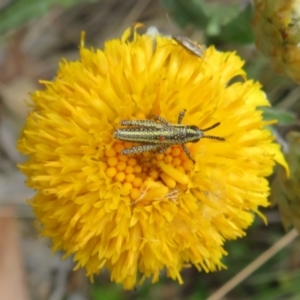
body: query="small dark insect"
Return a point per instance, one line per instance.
(188, 44)
(158, 134)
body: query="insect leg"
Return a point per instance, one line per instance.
(161, 120)
(163, 149)
(181, 115)
(187, 151)
(137, 123)
(140, 149)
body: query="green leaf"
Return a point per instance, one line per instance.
(284, 117)
(186, 12)
(239, 29)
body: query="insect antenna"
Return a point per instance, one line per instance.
(211, 127)
(212, 137)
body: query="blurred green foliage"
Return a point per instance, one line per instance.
(19, 12)
(99, 292)
(220, 22)
(287, 190)
(283, 117)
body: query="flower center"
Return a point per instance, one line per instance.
(139, 173)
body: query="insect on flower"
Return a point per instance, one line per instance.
(158, 134)
(188, 44)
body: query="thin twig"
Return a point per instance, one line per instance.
(232, 283)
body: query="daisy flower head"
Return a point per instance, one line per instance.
(146, 203)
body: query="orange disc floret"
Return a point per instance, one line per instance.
(118, 147)
(130, 177)
(137, 169)
(120, 176)
(112, 161)
(128, 169)
(121, 165)
(110, 152)
(111, 172)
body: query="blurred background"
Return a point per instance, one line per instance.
(34, 36)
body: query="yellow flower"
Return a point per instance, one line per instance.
(139, 214)
(277, 34)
